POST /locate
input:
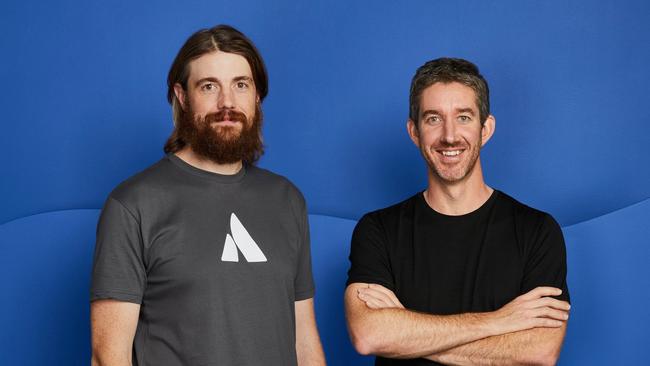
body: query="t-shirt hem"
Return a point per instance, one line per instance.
(115, 295)
(304, 295)
(386, 284)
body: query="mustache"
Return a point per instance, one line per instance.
(449, 145)
(226, 115)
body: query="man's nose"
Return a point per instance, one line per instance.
(449, 132)
(225, 99)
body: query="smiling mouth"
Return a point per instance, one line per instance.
(451, 152)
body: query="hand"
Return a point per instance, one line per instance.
(534, 309)
(378, 297)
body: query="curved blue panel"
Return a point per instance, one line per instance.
(330, 237)
(44, 277)
(46, 262)
(45, 267)
(609, 280)
(85, 104)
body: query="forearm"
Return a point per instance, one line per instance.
(539, 346)
(103, 358)
(309, 351)
(113, 325)
(379, 324)
(401, 333)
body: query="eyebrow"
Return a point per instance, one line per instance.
(458, 110)
(430, 111)
(215, 80)
(243, 78)
(465, 110)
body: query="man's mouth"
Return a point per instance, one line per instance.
(451, 152)
(226, 118)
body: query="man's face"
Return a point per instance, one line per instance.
(449, 132)
(221, 116)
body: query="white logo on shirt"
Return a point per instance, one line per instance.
(240, 239)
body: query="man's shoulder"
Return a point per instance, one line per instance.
(524, 214)
(147, 180)
(394, 212)
(271, 180)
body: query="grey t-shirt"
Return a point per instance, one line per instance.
(216, 262)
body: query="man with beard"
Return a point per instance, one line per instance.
(204, 258)
(459, 273)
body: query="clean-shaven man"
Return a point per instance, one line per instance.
(461, 273)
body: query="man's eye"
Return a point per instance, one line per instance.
(464, 118)
(242, 85)
(209, 87)
(432, 119)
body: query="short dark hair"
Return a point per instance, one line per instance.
(447, 70)
(219, 38)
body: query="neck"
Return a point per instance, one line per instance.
(189, 156)
(457, 198)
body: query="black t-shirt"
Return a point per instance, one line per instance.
(442, 264)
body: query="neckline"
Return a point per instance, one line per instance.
(216, 177)
(485, 206)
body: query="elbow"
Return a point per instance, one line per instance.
(364, 342)
(545, 357)
(549, 359)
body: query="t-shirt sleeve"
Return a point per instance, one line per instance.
(118, 267)
(369, 261)
(546, 262)
(304, 281)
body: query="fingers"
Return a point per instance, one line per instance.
(387, 292)
(550, 313)
(541, 292)
(374, 303)
(535, 308)
(547, 323)
(377, 296)
(369, 294)
(552, 303)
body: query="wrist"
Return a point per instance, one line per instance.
(487, 323)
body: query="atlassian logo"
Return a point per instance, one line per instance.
(240, 239)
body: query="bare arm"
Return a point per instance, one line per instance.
(538, 346)
(113, 325)
(308, 346)
(400, 333)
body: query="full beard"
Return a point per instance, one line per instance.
(223, 144)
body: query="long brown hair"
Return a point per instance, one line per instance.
(219, 38)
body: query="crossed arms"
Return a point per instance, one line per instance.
(527, 330)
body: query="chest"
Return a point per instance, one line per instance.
(448, 268)
(221, 248)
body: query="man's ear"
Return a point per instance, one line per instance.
(488, 129)
(413, 132)
(180, 94)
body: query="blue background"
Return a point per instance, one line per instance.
(84, 107)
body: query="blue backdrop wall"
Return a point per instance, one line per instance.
(84, 108)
